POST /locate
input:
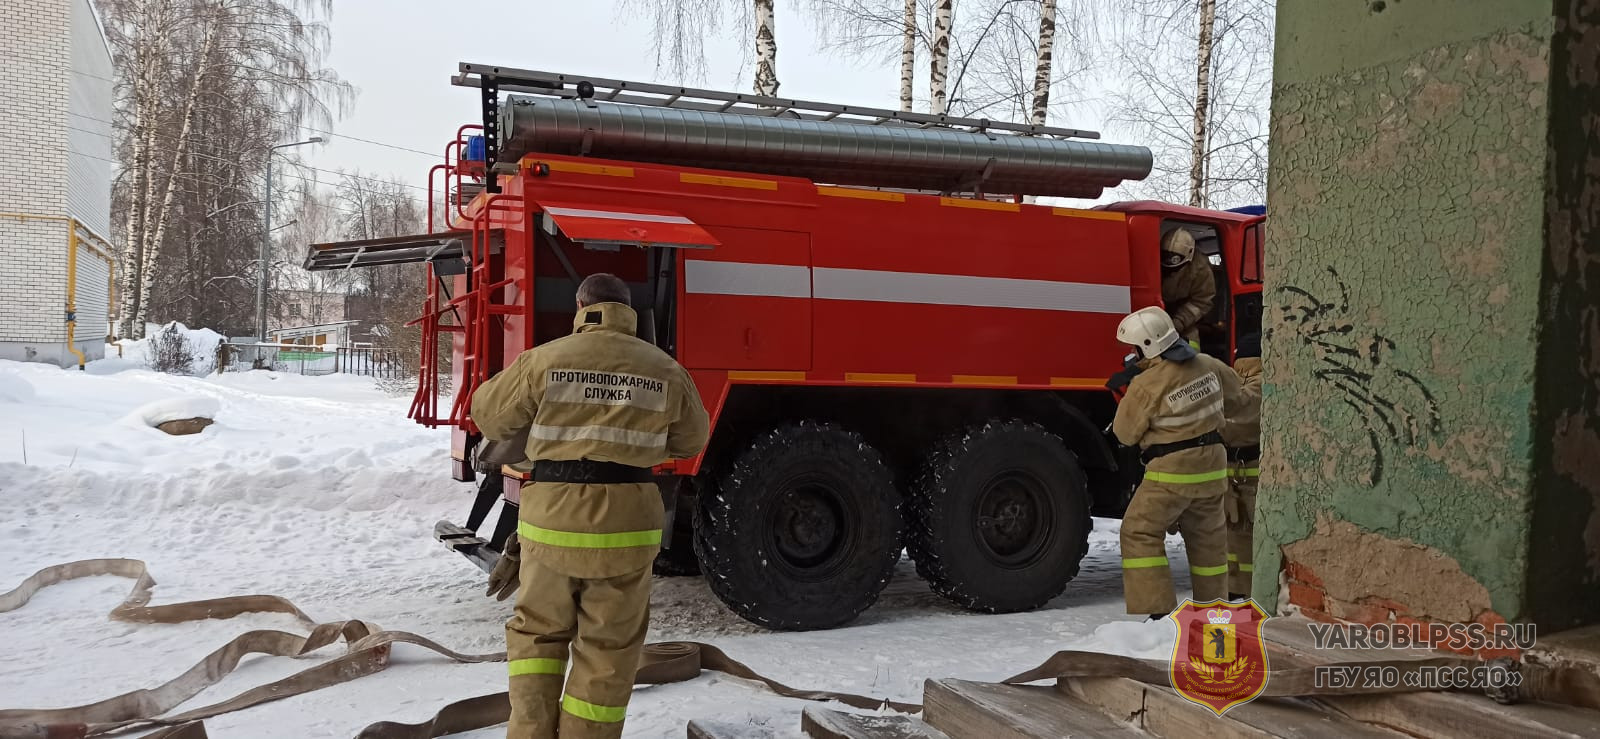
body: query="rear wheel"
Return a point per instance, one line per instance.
(804, 529)
(1000, 517)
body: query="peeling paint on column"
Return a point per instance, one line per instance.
(1404, 269)
(1564, 568)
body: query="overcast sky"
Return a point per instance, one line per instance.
(400, 55)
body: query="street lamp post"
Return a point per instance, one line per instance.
(266, 240)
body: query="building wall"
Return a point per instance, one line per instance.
(1405, 258)
(1564, 564)
(53, 166)
(33, 278)
(88, 122)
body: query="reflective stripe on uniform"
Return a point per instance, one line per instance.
(593, 712)
(538, 666)
(1195, 344)
(1233, 557)
(1208, 571)
(1185, 477)
(1134, 563)
(1246, 567)
(583, 540)
(598, 433)
(1246, 471)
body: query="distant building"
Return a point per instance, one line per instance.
(323, 337)
(55, 182)
(299, 307)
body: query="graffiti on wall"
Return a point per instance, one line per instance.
(1396, 408)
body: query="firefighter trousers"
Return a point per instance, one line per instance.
(1146, 574)
(1241, 527)
(599, 625)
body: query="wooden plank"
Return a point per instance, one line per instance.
(970, 710)
(1290, 644)
(821, 723)
(1160, 710)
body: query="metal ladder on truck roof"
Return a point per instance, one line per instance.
(492, 80)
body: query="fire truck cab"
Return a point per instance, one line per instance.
(889, 367)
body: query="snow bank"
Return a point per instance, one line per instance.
(14, 389)
(202, 344)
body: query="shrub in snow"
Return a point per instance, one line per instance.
(201, 344)
(170, 352)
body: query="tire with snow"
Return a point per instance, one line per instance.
(999, 517)
(803, 530)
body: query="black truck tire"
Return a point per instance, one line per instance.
(999, 517)
(804, 529)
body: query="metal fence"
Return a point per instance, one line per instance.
(365, 361)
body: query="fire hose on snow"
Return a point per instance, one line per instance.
(368, 646)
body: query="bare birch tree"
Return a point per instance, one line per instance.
(679, 29)
(908, 56)
(939, 58)
(766, 29)
(1044, 66)
(1202, 102)
(871, 29)
(171, 57)
(1195, 87)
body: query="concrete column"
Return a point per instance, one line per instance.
(1432, 389)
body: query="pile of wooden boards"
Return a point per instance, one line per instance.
(1121, 707)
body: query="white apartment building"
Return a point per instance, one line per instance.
(55, 182)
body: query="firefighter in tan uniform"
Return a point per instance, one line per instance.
(600, 408)
(1187, 287)
(1173, 410)
(1242, 434)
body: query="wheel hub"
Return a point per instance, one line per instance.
(808, 530)
(1013, 518)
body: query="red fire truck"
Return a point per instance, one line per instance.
(893, 357)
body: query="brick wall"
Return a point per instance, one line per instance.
(1309, 594)
(55, 59)
(33, 279)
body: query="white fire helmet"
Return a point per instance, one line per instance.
(1177, 248)
(1149, 331)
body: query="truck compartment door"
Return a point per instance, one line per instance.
(747, 303)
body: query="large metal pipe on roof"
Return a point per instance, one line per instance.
(888, 155)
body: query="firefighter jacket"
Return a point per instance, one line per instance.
(1243, 428)
(603, 395)
(1178, 401)
(1189, 292)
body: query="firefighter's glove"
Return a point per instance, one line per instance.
(1130, 370)
(503, 579)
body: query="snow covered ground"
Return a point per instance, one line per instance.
(320, 490)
